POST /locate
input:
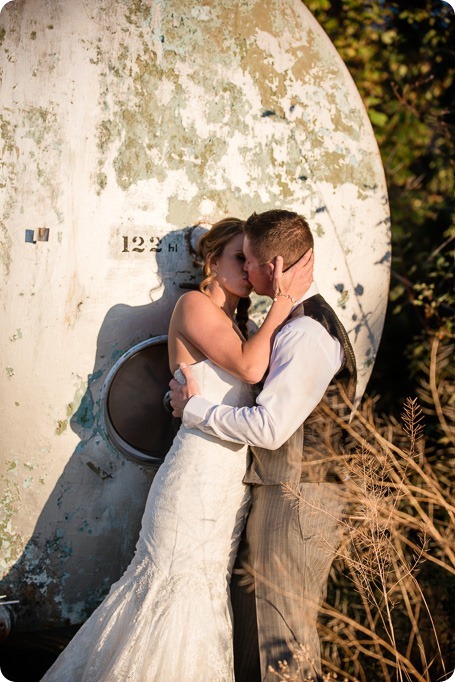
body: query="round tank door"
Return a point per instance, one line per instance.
(136, 420)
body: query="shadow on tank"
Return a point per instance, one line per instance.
(86, 532)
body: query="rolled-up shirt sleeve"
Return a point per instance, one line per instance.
(304, 360)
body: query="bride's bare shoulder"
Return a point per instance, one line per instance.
(191, 302)
(192, 298)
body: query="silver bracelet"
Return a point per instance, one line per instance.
(275, 298)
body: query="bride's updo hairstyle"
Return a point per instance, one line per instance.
(210, 246)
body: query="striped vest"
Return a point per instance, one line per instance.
(311, 452)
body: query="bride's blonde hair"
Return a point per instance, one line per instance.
(209, 246)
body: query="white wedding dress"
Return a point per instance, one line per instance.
(168, 619)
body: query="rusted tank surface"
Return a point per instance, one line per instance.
(121, 124)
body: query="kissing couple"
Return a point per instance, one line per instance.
(229, 570)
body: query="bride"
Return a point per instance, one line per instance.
(168, 619)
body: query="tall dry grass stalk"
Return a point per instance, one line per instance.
(379, 623)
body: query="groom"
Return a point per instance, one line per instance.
(288, 545)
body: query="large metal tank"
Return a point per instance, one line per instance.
(121, 124)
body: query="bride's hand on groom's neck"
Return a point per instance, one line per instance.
(295, 281)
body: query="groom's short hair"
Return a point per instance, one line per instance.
(278, 233)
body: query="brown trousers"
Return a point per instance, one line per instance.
(290, 548)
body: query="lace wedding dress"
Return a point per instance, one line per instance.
(168, 619)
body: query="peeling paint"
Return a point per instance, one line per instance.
(61, 427)
(84, 416)
(343, 299)
(17, 335)
(7, 132)
(41, 125)
(101, 181)
(38, 122)
(11, 542)
(5, 249)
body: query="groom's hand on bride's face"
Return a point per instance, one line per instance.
(181, 393)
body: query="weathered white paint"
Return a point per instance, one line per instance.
(133, 119)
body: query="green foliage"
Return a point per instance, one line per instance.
(401, 56)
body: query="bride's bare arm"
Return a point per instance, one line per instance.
(197, 321)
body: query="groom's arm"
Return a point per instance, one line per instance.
(303, 362)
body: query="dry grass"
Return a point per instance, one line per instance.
(385, 619)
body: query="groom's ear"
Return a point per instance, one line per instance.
(269, 270)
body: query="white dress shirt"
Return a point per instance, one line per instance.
(303, 361)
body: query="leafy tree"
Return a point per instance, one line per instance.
(401, 57)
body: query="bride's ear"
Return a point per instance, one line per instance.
(210, 263)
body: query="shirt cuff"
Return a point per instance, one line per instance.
(195, 411)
